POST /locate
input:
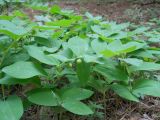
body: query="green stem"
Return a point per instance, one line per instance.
(60, 116)
(104, 102)
(3, 91)
(6, 52)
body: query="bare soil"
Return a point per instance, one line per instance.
(120, 11)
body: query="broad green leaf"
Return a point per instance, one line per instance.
(73, 79)
(49, 44)
(55, 45)
(103, 32)
(139, 30)
(6, 17)
(120, 26)
(124, 92)
(78, 45)
(43, 40)
(75, 94)
(55, 9)
(46, 27)
(98, 46)
(117, 48)
(7, 80)
(13, 30)
(92, 58)
(133, 61)
(44, 37)
(94, 36)
(11, 109)
(58, 34)
(148, 66)
(23, 70)
(77, 107)
(109, 53)
(99, 85)
(127, 49)
(12, 58)
(61, 23)
(61, 57)
(38, 54)
(116, 45)
(107, 39)
(64, 55)
(154, 40)
(154, 52)
(42, 18)
(2, 2)
(14, 1)
(146, 87)
(44, 97)
(138, 45)
(83, 72)
(111, 73)
(119, 35)
(18, 13)
(143, 54)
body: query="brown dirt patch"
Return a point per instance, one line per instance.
(119, 11)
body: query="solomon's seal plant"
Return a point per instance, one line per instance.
(68, 57)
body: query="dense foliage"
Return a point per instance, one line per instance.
(66, 58)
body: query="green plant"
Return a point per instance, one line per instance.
(7, 5)
(68, 57)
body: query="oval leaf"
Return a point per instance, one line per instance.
(98, 46)
(133, 61)
(23, 70)
(7, 80)
(83, 72)
(148, 66)
(38, 54)
(146, 87)
(77, 107)
(78, 46)
(44, 97)
(75, 94)
(11, 109)
(123, 92)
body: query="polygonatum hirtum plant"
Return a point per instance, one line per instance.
(65, 58)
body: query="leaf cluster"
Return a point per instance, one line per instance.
(69, 57)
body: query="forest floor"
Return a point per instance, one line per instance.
(116, 108)
(121, 11)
